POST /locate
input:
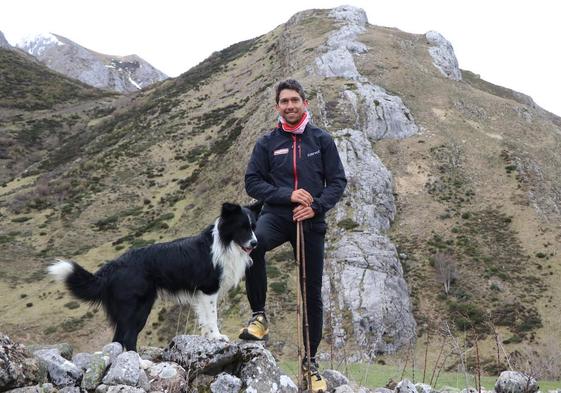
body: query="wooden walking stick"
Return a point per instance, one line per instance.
(301, 260)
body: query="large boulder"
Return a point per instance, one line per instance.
(515, 382)
(226, 383)
(95, 371)
(167, 377)
(17, 367)
(200, 355)
(61, 371)
(126, 370)
(260, 372)
(443, 55)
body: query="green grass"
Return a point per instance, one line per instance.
(376, 375)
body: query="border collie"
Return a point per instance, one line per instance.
(197, 270)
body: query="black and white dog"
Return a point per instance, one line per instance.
(197, 270)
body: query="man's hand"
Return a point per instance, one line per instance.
(302, 213)
(301, 197)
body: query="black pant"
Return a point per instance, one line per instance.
(271, 232)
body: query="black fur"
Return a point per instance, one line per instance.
(127, 287)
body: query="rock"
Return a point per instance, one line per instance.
(101, 388)
(64, 349)
(352, 15)
(386, 115)
(344, 389)
(3, 42)
(43, 388)
(405, 386)
(198, 354)
(226, 383)
(17, 367)
(443, 56)
(61, 371)
(337, 63)
(423, 388)
(125, 370)
(334, 379)
(154, 354)
(123, 389)
(69, 389)
(112, 350)
(167, 377)
(515, 382)
(371, 287)
(95, 371)
(82, 360)
(260, 372)
(369, 190)
(383, 390)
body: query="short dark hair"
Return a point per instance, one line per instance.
(290, 84)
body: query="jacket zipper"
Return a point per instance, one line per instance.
(294, 162)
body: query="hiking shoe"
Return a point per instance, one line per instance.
(319, 385)
(256, 329)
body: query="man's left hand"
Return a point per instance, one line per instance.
(302, 213)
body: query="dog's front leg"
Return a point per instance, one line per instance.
(206, 307)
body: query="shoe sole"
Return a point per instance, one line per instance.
(245, 335)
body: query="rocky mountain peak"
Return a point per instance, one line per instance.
(3, 42)
(119, 73)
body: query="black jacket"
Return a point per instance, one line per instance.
(281, 162)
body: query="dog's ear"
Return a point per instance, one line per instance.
(255, 207)
(230, 208)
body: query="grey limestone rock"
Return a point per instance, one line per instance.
(369, 189)
(125, 370)
(17, 367)
(61, 371)
(386, 117)
(167, 377)
(70, 389)
(334, 379)
(64, 349)
(423, 388)
(226, 383)
(42, 388)
(515, 382)
(112, 350)
(3, 42)
(443, 56)
(198, 354)
(405, 386)
(123, 389)
(337, 63)
(94, 371)
(344, 389)
(82, 360)
(353, 15)
(154, 354)
(382, 390)
(260, 372)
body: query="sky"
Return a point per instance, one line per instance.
(513, 43)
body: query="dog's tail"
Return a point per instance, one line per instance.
(83, 284)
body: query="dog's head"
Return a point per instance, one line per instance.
(237, 224)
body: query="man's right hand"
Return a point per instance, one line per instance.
(302, 197)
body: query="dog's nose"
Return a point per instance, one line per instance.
(253, 243)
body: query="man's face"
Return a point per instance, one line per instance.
(291, 106)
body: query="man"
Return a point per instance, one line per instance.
(296, 171)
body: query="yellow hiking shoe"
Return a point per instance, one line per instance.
(319, 384)
(257, 328)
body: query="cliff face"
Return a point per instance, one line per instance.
(120, 74)
(444, 169)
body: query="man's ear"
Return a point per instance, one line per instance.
(230, 208)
